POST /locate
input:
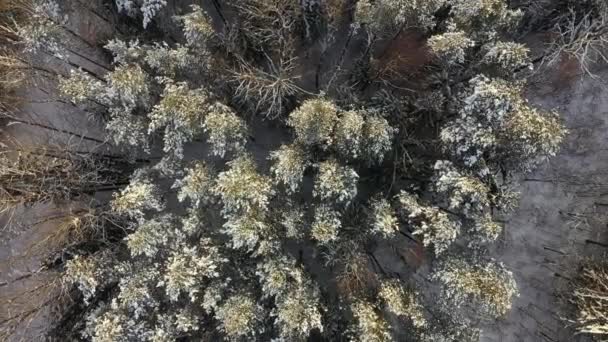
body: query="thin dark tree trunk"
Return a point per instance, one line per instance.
(31, 66)
(105, 67)
(376, 262)
(591, 242)
(77, 66)
(100, 16)
(106, 187)
(48, 73)
(341, 59)
(220, 12)
(50, 128)
(77, 36)
(80, 67)
(408, 236)
(115, 157)
(72, 104)
(319, 67)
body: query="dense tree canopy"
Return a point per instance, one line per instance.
(298, 139)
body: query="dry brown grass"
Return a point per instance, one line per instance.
(71, 227)
(13, 75)
(336, 11)
(27, 302)
(267, 92)
(357, 279)
(591, 300)
(13, 14)
(43, 174)
(404, 58)
(268, 24)
(19, 6)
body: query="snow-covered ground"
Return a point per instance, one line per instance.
(562, 213)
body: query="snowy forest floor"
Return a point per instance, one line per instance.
(562, 215)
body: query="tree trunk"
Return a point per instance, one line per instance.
(50, 128)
